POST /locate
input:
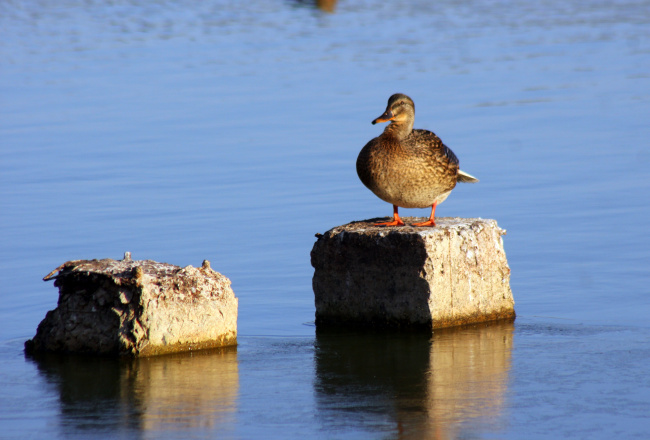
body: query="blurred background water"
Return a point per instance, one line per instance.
(228, 131)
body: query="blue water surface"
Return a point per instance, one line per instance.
(228, 131)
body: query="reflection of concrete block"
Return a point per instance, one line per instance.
(185, 391)
(438, 385)
(137, 308)
(455, 273)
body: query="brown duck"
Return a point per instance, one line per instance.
(406, 167)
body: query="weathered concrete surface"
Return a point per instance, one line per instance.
(453, 274)
(137, 308)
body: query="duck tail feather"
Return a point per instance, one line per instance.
(466, 178)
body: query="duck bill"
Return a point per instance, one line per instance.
(387, 116)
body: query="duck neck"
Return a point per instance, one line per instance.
(399, 130)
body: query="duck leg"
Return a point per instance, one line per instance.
(396, 220)
(432, 220)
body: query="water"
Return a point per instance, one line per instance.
(183, 131)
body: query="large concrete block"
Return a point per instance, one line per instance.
(452, 274)
(137, 308)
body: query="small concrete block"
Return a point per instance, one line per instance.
(137, 308)
(453, 274)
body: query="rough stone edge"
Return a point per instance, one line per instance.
(362, 226)
(224, 341)
(326, 322)
(133, 277)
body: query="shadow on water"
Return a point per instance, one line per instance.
(173, 392)
(415, 385)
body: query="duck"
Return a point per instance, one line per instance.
(406, 167)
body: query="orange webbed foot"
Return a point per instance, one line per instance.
(429, 222)
(396, 220)
(432, 218)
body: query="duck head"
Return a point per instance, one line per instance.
(401, 112)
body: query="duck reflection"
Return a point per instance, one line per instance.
(449, 385)
(197, 390)
(323, 5)
(326, 5)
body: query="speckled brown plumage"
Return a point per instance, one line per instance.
(408, 168)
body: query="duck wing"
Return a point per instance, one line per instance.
(424, 139)
(427, 140)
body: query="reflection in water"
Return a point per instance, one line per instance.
(469, 377)
(185, 391)
(415, 385)
(90, 393)
(323, 5)
(326, 5)
(181, 392)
